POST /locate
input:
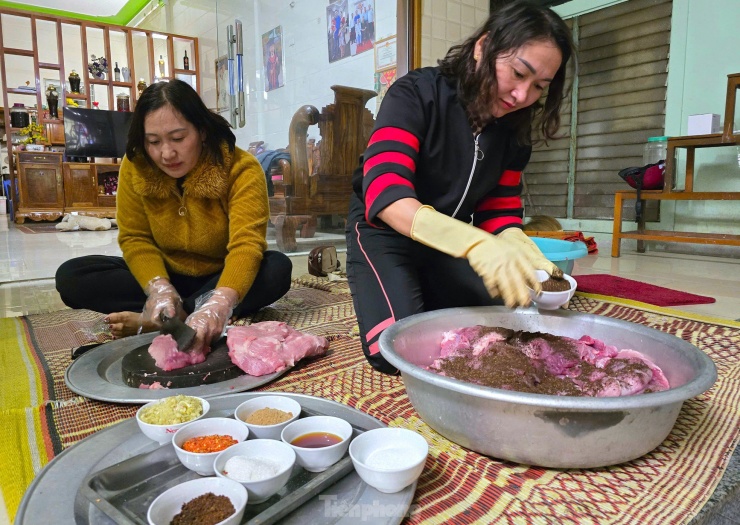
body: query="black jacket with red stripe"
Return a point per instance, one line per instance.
(423, 147)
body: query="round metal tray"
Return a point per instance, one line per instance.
(55, 495)
(97, 375)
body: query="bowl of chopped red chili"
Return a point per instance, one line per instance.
(205, 501)
(198, 443)
(445, 357)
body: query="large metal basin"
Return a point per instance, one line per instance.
(545, 430)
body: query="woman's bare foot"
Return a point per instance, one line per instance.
(124, 324)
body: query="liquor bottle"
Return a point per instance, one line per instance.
(186, 61)
(117, 73)
(161, 66)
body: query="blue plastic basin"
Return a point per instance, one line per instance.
(562, 253)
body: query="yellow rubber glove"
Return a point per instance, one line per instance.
(504, 266)
(535, 256)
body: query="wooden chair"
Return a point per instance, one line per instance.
(318, 179)
(728, 137)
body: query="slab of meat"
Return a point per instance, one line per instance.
(270, 346)
(167, 357)
(545, 364)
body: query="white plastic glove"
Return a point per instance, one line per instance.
(535, 256)
(161, 298)
(504, 266)
(212, 312)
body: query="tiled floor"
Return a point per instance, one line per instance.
(28, 262)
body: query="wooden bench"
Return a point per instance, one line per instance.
(669, 193)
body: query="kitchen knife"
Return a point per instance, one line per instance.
(180, 332)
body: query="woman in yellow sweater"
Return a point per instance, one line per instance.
(192, 214)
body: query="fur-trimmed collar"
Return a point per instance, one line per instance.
(206, 180)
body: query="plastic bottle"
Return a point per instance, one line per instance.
(655, 150)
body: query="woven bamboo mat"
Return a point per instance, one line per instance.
(668, 486)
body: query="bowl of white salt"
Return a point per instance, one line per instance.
(263, 466)
(389, 459)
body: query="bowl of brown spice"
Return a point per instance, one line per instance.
(267, 416)
(555, 293)
(206, 501)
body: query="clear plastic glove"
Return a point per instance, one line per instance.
(161, 298)
(212, 313)
(535, 256)
(504, 266)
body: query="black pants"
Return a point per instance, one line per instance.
(392, 277)
(105, 284)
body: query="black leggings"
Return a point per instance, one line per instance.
(105, 284)
(392, 277)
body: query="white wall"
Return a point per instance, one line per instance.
(307, 72)
(445, 23)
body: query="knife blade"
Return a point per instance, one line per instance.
(180, 332)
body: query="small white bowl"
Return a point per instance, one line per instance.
(163, 433)
(552, 300)
(389, 459)
(250, 406)
(202, 463)
(169, 504)
(318, 459)
(268, 450)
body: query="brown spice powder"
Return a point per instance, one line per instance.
(555, 284)
(268, 416)
(207, 509)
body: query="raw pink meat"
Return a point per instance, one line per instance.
(270, 346)
(545, 363)
(167, 357)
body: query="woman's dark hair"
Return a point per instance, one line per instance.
(185, 100)
(509, 27)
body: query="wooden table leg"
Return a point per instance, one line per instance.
(617, 233)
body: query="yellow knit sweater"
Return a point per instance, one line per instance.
(217, 223)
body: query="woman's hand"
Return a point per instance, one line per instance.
(212, 312)
(162, 298)
(504, 266)
(535, 256)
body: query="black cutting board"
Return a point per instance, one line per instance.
(137, 367)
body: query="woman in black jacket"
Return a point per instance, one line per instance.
(436, 218)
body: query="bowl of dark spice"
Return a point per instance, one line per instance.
(555, 293)
(267, 416)
(205, 501)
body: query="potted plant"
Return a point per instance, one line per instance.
(34, 140)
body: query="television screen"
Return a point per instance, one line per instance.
(95, 132)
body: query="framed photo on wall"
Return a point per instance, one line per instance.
(222, 84)
(383, 80)
(385, 53)
(272, 57)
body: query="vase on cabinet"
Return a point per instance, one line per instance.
(74, 82)
(125, 74)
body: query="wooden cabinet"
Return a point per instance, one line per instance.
(48, 188)
(80, 185)
(54, 130)
(40, 186)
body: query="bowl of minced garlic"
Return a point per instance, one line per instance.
(266, 416)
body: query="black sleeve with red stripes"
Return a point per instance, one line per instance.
(502, 208)
(389, 166)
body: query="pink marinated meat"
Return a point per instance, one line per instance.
(545, 363)
(167, 357)
(271, 346)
